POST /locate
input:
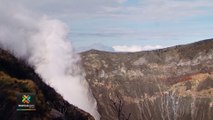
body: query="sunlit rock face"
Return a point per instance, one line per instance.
(169, 84)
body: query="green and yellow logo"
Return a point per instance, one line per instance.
(26, 99)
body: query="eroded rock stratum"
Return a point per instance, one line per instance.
(175, 83)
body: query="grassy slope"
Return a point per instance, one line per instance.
(16, 76)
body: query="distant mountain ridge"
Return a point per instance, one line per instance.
(95, 46)
(174, 83)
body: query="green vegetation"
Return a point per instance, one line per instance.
(9, 87)
(17, 76)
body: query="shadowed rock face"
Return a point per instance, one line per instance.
(168, 84)
(16, 77)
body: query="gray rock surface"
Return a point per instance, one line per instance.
(175, 83)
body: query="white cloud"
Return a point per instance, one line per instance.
(151, 47)
(125, 48)
(121, 1)
(135, 48)
(144, 10)
(158, 10)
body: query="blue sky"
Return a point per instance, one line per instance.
(131, 22)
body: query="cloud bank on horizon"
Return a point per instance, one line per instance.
(135, 48)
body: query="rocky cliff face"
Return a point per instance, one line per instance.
(175, 83)
(16, 77)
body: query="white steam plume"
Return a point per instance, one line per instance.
(43, 42)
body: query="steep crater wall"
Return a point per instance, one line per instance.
(167, 84)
